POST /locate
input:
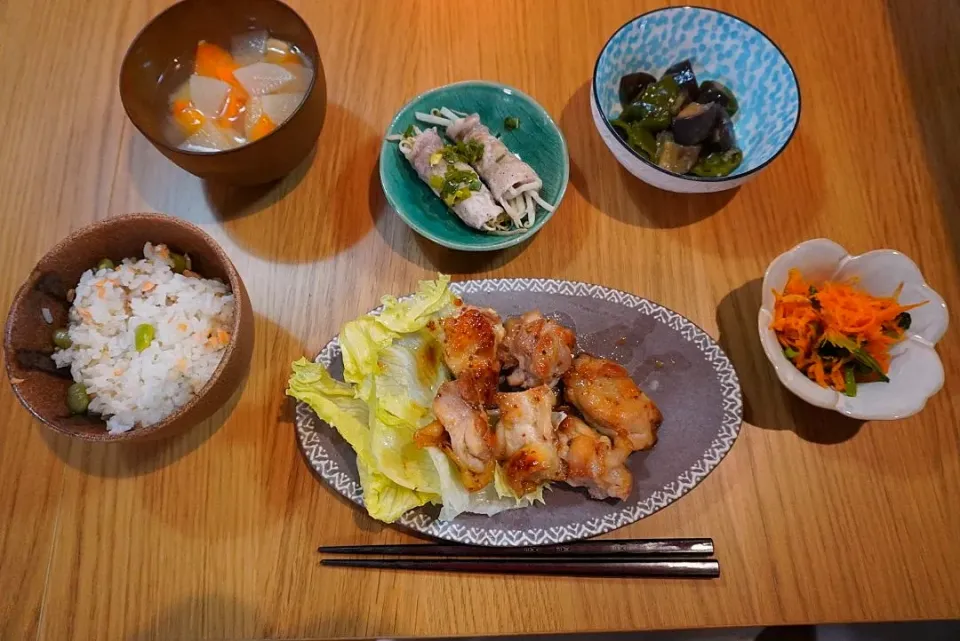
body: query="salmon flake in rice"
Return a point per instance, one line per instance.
(140, 388)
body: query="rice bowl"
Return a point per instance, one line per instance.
(191, 319)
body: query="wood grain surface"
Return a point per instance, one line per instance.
(212, 535)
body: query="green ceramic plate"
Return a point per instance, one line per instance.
(537, 141)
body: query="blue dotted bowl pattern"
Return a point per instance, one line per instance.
(723, 48)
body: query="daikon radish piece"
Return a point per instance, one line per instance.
(279, 107)
(262, 78)
(208, 138)
(252, 113)
(249, 47)
(302, 77)
(279, 52)
(188, 118)
(234, 137)
(208, 94)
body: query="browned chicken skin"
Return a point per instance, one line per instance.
(527, 440)
(540, 349)
(593, 462)
(611, 402)
(471, 444)
(470, 343)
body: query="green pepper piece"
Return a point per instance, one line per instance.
(849, 381)
(790, 353)
(510, 123)
(143, 336)
(636, 136)
(409, 132)
(77, 398)
(718, 164)
(61, 338)
(862, 357)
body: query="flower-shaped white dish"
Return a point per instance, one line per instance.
(916, 372)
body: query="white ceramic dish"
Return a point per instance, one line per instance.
(916, 372)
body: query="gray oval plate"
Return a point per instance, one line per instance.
(675, 362)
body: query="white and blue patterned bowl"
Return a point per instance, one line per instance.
(721, 47)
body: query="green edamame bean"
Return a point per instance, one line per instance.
(143, 336)
(77, 399)
(61, 338)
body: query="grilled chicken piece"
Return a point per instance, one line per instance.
(593, 462)
(527, 440)
(470, 343)
(611, 402)
(540, 349)
(472, 442)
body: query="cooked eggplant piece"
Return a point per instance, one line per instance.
(712, 91)
(695, 123)
(635, 135)
(673, 157)
(718, 164)
(682, 74)
(722, 138)
(632, 85)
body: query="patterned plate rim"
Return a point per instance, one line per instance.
(320, 462)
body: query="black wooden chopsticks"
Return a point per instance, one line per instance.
(679, 558)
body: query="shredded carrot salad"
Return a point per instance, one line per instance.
(837, 334)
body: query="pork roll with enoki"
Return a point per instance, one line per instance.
(456, 183)
(513, 183)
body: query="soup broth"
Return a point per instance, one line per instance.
(235, 97)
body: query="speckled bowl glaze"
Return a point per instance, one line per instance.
(721, 47)
(916, 372)
(44, 395)
(537, 140)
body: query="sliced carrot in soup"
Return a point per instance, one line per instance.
(187, 117)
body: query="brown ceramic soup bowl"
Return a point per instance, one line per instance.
(28, 335)
(161, 57)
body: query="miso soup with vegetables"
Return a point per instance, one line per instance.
(235, 97)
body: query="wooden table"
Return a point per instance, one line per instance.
(212, 535)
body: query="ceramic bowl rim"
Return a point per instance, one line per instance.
(161, 142)
(507, 241)
(721, 179)
(138, 432)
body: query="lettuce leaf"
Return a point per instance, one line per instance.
(393, 366)
(385, 500)
(433, 298)
(335, 402)
(457, 500)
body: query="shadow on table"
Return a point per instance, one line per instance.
(422, 251)
(766, 403)
(601, 180)
(925, 35)
(124, 460)
(325, 215)
(201, 616)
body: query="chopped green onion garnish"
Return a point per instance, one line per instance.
(790, 353)
(510, 123)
